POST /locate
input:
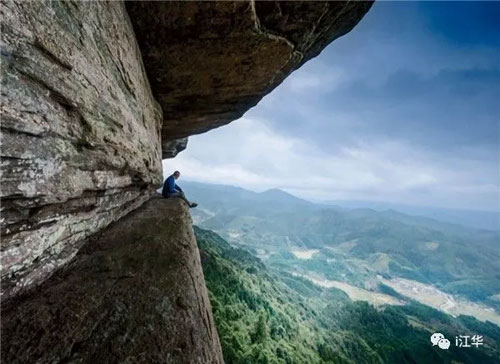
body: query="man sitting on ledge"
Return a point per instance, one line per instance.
(171, 189)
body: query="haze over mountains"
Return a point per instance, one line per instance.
(306, 282)
(488, 220)
(362, 248)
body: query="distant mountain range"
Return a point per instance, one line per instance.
(352, 245)
(488, 220)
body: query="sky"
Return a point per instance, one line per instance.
(403, 109)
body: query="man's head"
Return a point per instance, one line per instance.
(177, 174)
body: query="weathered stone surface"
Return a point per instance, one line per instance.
(82, 141)
(80, 131)
(135, 293)
(209, 62)
(170, 148)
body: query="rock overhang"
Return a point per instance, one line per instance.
(209, 62)
(95, 93)
(90, 103)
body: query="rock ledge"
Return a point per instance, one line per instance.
(134, 293)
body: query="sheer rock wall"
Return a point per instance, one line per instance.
(135, 293)
(80, 131)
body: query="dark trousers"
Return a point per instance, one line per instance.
(178, 194)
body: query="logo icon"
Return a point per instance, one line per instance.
(439, 340)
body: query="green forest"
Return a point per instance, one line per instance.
(265, 315)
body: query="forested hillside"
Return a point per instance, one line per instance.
(267, 316)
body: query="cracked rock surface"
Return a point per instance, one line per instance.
(209, 62)
(134, 293)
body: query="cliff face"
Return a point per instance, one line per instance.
(80, 131)
(209, 62)
(82, 136)
(82, 142)
(134, 293)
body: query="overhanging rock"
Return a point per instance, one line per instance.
(82, 134)
(208, 62)
(82, 142)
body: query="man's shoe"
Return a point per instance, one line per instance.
(193, 204)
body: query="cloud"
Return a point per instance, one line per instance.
(315, 77)
(408, 116)
(249, 154)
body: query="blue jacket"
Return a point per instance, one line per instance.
(170, 186)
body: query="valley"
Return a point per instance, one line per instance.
(265, 315)
(373, 256)
(433, 297)
(355, 293)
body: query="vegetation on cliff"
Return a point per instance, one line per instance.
(268, 316)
